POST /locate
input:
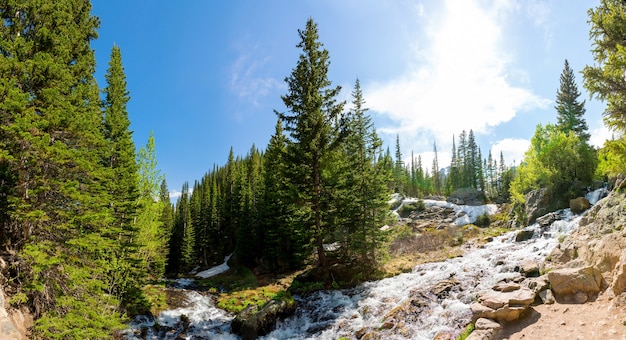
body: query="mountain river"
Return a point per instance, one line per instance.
(337, 314)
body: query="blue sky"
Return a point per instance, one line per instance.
(208, 75)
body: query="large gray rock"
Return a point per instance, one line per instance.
(568, 282)
(537, 204)
(547, 219)
(251, 324)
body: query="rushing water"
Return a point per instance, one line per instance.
(342, 313)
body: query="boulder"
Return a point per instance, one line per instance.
(524, 235)
(529, 268)
(13, 323)
(537, 204)
(547, 219)
(506, 287)
(503, 306)
(568, 282)
(578, 205)
(250, 323)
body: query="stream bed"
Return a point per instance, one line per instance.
(373, 306)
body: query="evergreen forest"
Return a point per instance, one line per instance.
(86, 220)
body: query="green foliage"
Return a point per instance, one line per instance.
(311, 121)
(407, 208)
(555, 160)
(570, 112)
(605, 79)
(612, 158)
(483, 220)
(466, 332)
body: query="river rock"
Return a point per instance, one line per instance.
(547, 219)
(567, 282)
(578, 205)
(503, 306)
(529, 268)
(442, 288)
(537, 284)
(524, 235)
(546, 296)
(506, 287)
(251, 324)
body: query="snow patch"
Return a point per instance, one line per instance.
(215, 270)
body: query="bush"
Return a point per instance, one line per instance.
(483, 221)
(407, 208)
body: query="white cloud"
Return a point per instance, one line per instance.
(512, 149)
(175, 194)
(600, 135)
(247, 83)
(463, 79)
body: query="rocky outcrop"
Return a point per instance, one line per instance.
(598, 242)
(252, 323)
(537, 204)
(503, 305)
(575, 284)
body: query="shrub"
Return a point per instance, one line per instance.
(483, 221)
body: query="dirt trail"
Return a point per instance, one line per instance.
(601, 319)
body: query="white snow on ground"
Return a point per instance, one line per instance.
(215, 270)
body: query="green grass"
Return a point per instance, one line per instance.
(466, 332)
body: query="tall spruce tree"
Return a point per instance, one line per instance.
(120, 156)
(313, 110)
(52, 155)
(364, 195)
(570, 112)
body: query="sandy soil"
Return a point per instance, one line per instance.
(601, 319)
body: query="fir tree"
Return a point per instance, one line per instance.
(570, 112)
(53, 147)
(313, 109)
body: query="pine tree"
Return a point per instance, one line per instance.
(121, 149)
(283, 249)
(53, 151)
(313, 109)
(364, 193)
(570, 112)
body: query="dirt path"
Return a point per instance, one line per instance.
(601, 319)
